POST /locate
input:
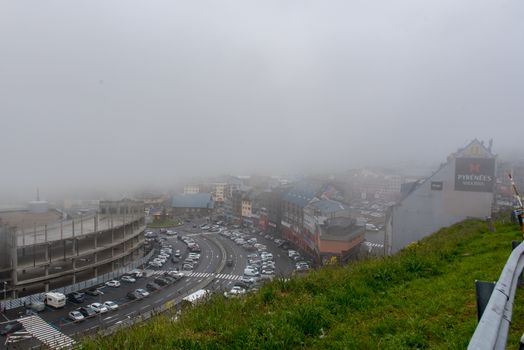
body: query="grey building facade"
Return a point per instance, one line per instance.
(461, 188)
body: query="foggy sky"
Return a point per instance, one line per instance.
(123, 93)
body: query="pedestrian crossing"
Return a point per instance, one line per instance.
(225, 276)
(48, 335)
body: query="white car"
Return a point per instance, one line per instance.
(111, 305)
(99, 308)
(75, 315)
(237, 290)
(113, 284)
(248, 280)
(155, 264)
(251, 272)
(128, 279)
(144, 293)
(268, 272)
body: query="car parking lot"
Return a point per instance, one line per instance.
(179, 262)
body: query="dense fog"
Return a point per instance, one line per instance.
(116, 95)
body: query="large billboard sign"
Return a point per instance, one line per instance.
(474, 174)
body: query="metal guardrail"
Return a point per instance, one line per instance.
(493, 327)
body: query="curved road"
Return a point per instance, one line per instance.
(211, 259)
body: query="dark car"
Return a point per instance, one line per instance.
(133, 295)
(93, 292)
(175, 260)
(87, 311)
(242, 285)
(229, 262)
(169, 279)
(76, 297)
(161, 281)
(152, 286)
(11, 327)
(194, 248)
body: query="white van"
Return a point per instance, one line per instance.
(54, 299)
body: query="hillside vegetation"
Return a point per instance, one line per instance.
(423, 297)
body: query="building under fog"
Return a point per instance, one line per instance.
(461, 188)
(40, 250)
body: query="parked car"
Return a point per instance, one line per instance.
(128, 279)
(137, 273)
(113, 284)
(76, 297)
(111, 305)
(94, 292)
(144, 293)
(247, 280)
(87, 311)
(161, 281)
(36, 306)
(251, 272)
(155, 264)
(152, 286)
(133, 295)
(75, 316)
(99, 308)
(11, 327)
(237, 290)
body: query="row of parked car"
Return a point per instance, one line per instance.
(193, 257)
(166, 250)
(300, 263)
(260, 265)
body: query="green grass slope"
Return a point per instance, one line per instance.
(423, 297)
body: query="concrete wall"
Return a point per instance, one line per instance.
(427, 210)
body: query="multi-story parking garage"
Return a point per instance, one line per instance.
(70, 251)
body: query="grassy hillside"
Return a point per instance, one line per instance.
(423, 297)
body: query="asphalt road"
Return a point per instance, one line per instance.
(210, 259)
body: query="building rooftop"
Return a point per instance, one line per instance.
(302, 192)
(341, 229)
(23, 219)
(328, 206)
